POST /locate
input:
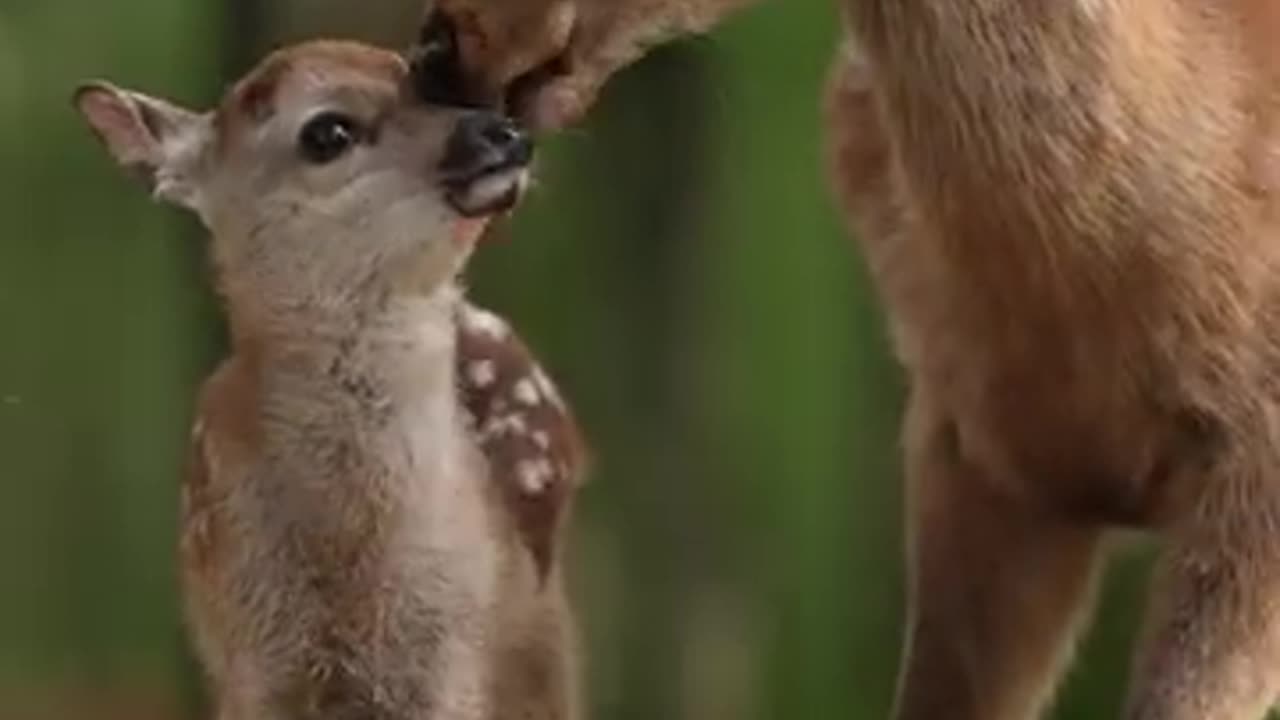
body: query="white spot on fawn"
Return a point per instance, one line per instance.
(513, 424)
(517, 424)
(542, 439)
(485, 322)
(533, 475)
(527, 393)
(544, 384)
(482, 373)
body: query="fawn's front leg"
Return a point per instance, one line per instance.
(996, 587)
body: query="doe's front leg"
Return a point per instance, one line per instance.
(1212, 646)
(997, 587)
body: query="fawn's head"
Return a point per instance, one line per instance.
(321, 175)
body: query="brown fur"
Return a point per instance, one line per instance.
(525, 430)
(1069, 208)
(548, 58)
(361, 537)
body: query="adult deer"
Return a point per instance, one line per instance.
(1069, 207)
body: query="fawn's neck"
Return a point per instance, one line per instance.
(380, 373)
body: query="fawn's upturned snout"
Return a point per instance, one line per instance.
(484, 142)
(485, 164)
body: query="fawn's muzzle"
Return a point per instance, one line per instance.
(486, 164)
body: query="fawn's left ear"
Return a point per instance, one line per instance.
(159, 142)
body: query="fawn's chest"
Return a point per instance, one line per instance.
(371, 449)
(351, 531)
(341, 472)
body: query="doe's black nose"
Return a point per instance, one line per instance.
(484, 142)
(435, 66)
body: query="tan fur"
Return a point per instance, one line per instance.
(1069, 209)
(562, 51)
(351, 550)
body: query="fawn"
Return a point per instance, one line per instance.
(1069, 208)
(380, 473)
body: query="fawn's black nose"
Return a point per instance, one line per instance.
(485, 142)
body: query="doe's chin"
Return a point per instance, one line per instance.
(551, 104)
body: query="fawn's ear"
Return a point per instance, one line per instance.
(159, 142)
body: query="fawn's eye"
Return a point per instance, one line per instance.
(326, 137)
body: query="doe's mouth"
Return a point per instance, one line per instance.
(542, 97)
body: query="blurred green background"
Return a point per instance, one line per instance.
(682, 272)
